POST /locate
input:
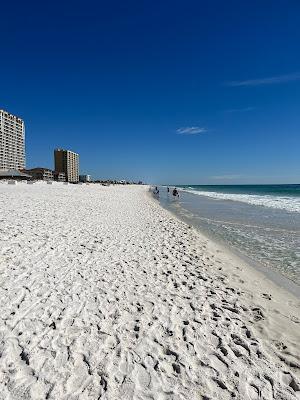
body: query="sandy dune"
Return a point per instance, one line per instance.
(105, 295)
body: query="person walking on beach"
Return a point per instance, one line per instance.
(168, 189)
(156, 191)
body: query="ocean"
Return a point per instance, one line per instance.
(261, 222)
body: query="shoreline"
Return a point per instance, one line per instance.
(106, 294)
(271, 273)
(272, 277)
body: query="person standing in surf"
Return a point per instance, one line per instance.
(175, 192)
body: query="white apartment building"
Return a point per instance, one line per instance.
(85, 178)
(12, 141)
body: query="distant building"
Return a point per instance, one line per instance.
(12, 141)
(85, 178)
(43, 174)
(68, 162)
(59, 176)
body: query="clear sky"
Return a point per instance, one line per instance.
(163, 91)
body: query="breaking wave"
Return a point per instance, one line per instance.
(291, 204)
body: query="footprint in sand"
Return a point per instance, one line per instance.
(267, 296)
(289, 380)
(141, 376)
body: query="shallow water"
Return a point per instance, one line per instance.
(268, 235)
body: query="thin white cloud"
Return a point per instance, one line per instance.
(191, 130)
(246, 109)
(266, 81)
(226, 177)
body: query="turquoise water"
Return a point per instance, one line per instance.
(285, 197)
(275, 190)
(260, 221)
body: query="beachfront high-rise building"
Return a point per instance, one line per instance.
(12, 141)
(68, 162)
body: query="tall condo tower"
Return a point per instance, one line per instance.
(12, 141)
(68, 162)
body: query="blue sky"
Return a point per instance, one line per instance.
(167, 92)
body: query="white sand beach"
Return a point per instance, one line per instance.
(106, 295)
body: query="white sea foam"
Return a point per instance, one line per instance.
(284, 203)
